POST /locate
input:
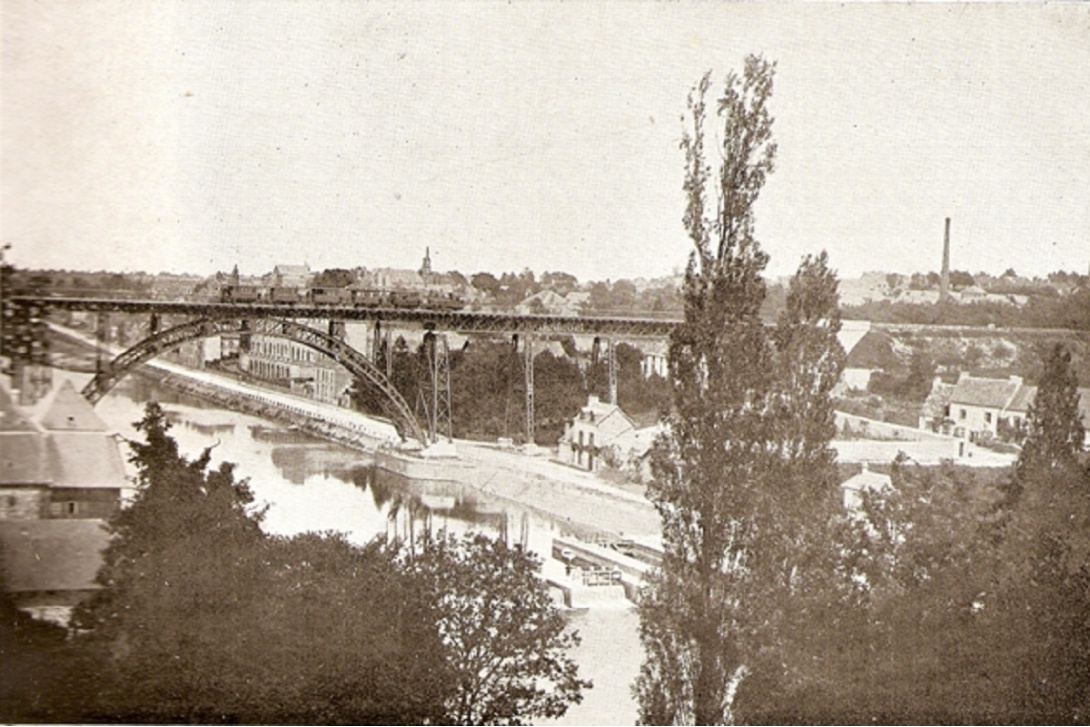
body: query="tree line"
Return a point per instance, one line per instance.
(488, 393)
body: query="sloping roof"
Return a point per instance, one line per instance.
(67, 410)
(602, 411)
(995, 393)
(85, 459)
(22, 459)
(874, 350)
(1022, 399)
(550, 301)
(52, 555)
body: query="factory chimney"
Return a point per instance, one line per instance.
(944, 283)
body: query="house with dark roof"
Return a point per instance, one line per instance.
(24, 474)
(50, 565)
(84, 461)
(61, 476)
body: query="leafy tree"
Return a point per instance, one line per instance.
(961, 279)
(503, 637)
(639, 395)
(485, 282)
(483, 396)
(205, 618)
(746, 458)
(1042, 604)
(559, 282)
(703, 472)
(919, 646)
(599, 298)
(1055, 430)
(623, 295)
(558, 394)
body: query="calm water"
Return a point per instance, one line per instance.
(309, 484)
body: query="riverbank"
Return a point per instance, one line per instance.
(535, 482)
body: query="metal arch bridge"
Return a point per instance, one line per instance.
(394, 405)
(214, 318)
(460, 321)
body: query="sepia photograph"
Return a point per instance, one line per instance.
(555, 363)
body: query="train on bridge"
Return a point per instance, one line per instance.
(349, 297)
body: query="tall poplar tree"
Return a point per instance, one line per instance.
(747, 450)
(1042, 606)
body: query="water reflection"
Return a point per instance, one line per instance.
(314, 485)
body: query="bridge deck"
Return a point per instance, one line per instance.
(461, 321)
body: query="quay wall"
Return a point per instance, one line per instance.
(348, 430)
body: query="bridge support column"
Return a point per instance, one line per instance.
(376, 341)
(435, 396)
(528, 367)
(336, 329)
(611, 368)
(102, 337)
(611, 364)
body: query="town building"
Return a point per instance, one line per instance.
(296, 368)
(59, 459)
(61, 477)
(289, 276)
(979, 408)
(598, 432)
(548, 302)
(977, 404)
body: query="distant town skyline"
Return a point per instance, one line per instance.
(191, 137)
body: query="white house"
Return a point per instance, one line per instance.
(597, 428)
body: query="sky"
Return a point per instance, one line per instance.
(163, 135)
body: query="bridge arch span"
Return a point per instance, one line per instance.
(358, 365)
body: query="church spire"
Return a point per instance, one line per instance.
(425, 268)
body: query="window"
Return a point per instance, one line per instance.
(987, 417)
(963, 414)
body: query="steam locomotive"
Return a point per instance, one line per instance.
(342, 297)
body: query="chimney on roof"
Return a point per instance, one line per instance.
(944, 283)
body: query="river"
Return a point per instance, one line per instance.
(308, 484)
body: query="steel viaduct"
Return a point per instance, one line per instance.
(303, 324)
